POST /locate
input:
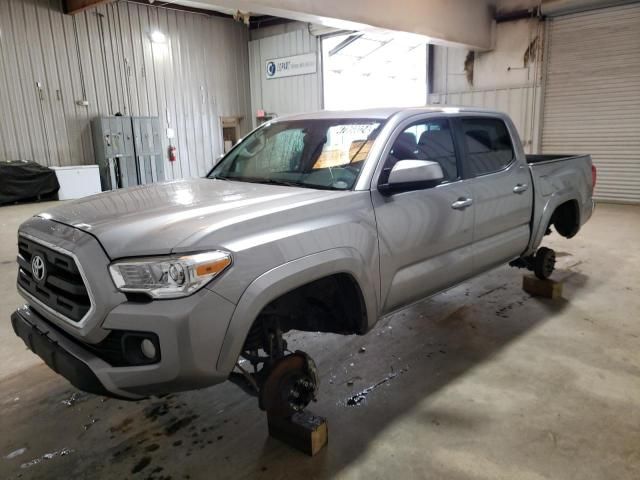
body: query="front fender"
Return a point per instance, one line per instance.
(287, 277)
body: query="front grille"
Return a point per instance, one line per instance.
(110, 349)
(62, 288)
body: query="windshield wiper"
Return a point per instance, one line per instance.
(251, 180)
(272, 181)
(267, 181)
(315, 186)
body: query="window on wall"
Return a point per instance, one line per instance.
(382, 69)
(488, 145)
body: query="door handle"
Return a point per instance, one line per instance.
(520, 188)
(461, 203)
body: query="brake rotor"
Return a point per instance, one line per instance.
(292, 383)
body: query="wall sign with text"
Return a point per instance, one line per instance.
(290, 66)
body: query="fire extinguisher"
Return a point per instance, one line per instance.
(172, 153)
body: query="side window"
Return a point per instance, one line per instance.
(488, 145)
(426, 140)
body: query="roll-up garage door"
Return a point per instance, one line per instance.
(592, 95)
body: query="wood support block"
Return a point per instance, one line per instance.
(303, 431)
(541, 288)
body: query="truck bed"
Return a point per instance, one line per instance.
(558, 179)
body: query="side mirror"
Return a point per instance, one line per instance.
(412, 175)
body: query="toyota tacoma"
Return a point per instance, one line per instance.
(321, 222)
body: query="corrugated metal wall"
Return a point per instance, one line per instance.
(506, 79)
(592, 96)
(301, 93)
(522, 104)
(199, 75)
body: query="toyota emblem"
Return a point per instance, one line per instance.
(38, 268)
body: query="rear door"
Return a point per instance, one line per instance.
(500, 187)
(425, 235)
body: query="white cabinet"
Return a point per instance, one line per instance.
(78, 181)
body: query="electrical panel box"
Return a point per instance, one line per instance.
(128, 151)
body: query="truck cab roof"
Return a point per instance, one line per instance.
(381, 113)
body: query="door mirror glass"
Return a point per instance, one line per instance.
(412, 175)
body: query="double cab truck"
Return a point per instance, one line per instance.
(319, 222)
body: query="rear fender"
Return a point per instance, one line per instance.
(545, 207)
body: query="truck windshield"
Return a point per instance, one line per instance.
(324, 154)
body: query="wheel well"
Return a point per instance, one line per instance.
(566, 219)
(332, 304)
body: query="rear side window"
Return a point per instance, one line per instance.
(488, 145)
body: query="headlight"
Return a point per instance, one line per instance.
(169, 277)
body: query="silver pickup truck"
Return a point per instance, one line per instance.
(318, 222)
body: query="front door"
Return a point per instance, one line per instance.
(425, 235)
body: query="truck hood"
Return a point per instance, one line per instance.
(155, 219)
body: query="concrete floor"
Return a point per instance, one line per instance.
(480, 382)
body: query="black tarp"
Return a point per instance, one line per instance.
(25, 181)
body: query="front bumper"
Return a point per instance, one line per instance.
(190, 332)
(55, 355)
